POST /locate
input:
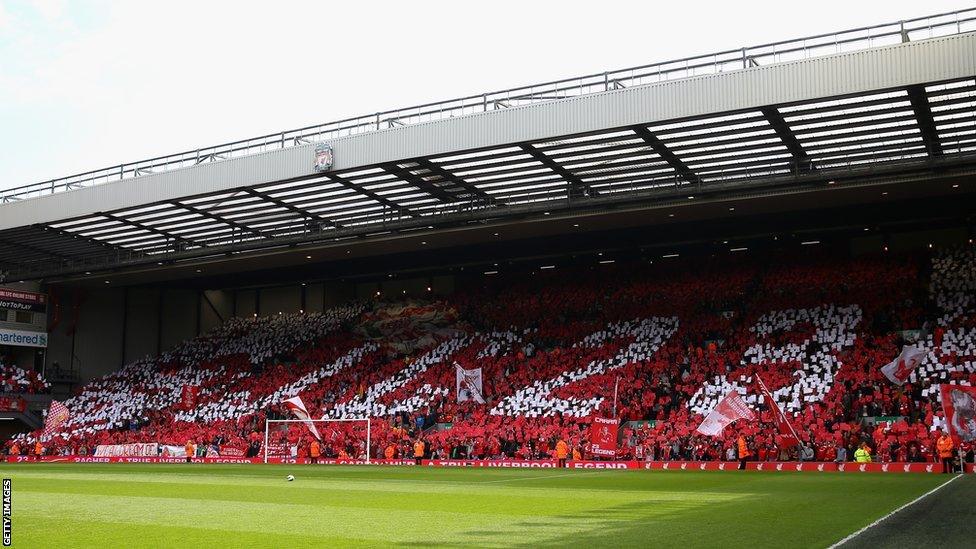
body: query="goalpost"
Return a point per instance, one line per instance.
(277, 426)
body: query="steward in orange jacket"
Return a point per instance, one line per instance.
(38, 449)
(314, 451)
(418, 451)
(744, 452)
(190, 449)
(562, 450)
(946, 449)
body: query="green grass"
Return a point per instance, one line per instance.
(113, 505)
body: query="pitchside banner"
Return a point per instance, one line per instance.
(804, 467)
(143, 449)
(22, 339)
(603, 437)
(959, 403)
(16, 300)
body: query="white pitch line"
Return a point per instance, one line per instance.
(533, 478)
(886, 517)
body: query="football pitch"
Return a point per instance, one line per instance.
(113, 505)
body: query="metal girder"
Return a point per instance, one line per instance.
(577, 188)
(370, 194)
(78, 236)
(154, 230)
(926, 123)
(662, 150)
(418, 181)
(217, 218)
(33, 249)
(294, 209)
(783, 131)
(450, 177)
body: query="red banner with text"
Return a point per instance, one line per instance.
(768, 466)
(603, 437)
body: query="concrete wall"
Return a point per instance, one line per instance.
(406, 287)
(98, 338)
(216, 306)
(281, 299)
(117, 326)
(142, 323)
(907, 241)
(315, 298)
(246, 301)
(180, 317)
(312, 297)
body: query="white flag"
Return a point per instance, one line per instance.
(898, 370)
(729, 409)
(469, 384)
(297, 407)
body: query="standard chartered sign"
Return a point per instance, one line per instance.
(23, 339)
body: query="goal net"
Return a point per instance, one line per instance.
(339, 438)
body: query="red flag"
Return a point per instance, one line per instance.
(189, 396)
(959, 404)
(729, 409)
(603, 437)
(297, 407)
(898, 370)
(57, 415)
(788, 435)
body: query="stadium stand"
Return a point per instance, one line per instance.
(653, 345)
(14, 379)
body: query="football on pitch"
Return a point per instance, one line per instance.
(290, 478)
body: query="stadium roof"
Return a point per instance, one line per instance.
(867, 104)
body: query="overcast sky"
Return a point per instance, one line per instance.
(86, 85)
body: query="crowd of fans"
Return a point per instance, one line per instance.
(655, 346)
(14, 379)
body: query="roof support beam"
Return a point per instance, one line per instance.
(294, 209)
(577, 188)
(217, 218)
(458, 181)
(926, 123)
(785, 134)
(179, 241)
(419, 182)
(402, 210)
(662, 150)
(33, 249)
(77, 236)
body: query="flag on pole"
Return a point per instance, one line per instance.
(603, 436)
(959, 404)
(898, 370)
(57, 415)
(616, 385)
(297, 407)
(728, 410)
(782, 424)
(469, 385)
